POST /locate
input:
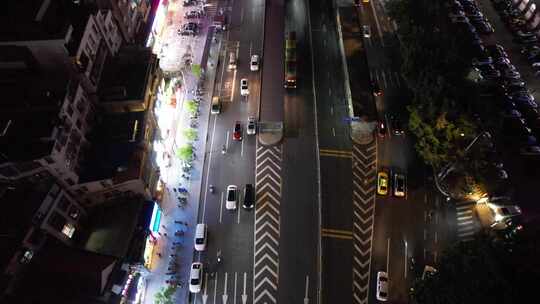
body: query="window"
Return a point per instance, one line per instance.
(68, 230)
(74, 212)
(70, 182)
(63, 204)
(56, 221)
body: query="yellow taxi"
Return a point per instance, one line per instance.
(382, 183)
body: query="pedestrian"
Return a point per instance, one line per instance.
(159, 233)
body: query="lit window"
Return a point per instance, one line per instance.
(68, 230)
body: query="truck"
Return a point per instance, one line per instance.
(290, 61)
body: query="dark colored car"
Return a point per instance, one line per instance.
(249, 197)
(237, 134)
(381, 128)
(397, 128)
(375, 88)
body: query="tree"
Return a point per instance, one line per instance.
(196, 70)
(185, 152)
(191, 106)
(165, 295)
(467, 273)
(190, 134)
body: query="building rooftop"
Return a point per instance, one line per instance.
(20, 201)
(125, 76)
(115, 148)
(31, 20)
(112, 227)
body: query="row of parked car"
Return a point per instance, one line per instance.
(515, 23)
(467, 12)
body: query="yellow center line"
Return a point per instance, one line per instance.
(346, 232)
(337, 236)
(335, 151)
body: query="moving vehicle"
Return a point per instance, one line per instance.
(382, 183)
(196, 277)
(251, 126)
(237, 133)
(396, 126)
(254, 64)
(216, 105)
(375, 88)
(244, 91)
(399, 185)
(382, 286)
(232, 197)
(290, 61)
(200, 237)
(249, 197)
(232, 61)
(366, 31)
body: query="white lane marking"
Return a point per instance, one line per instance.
(406, 254)
(384, 79)
(239, 209)
(244, 295)
(425, 234)
(331, 110)
(377, 23)
(242, 15)
(306, 299)
(436, 237)
(227, 141)
(225, 296)
(235, 279)
(205, 294)
(388, 255)
(329, 91)
(333, 131)
(242, 147)
(234, 81)
(250, 49)
(209, 164)
(220, 207)
(215, 287)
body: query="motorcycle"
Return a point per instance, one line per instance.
(223, 150)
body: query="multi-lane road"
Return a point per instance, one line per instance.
(318, 233)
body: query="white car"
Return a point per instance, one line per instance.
(232, 197)
(366, 31)
(196, 277)
(382, 286)
(244, 91)
(251, 126)
(254, 64)
(200, 237)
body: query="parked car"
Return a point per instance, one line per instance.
(482, 60)
(381, 128)
(196, 277)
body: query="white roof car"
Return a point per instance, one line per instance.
(382, 286)
(244, 91)
(200, 237)
(251, 126)
(254, 65)
(366, 31)
(232, 197)
(196, 277)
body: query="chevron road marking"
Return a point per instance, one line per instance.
(267, 220)
(364, 175)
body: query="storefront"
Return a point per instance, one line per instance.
(155, 40)
(134, 288)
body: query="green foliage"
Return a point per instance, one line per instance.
(185, 153)
(190, 134)
(196, 70)
(191, 106)
(484, 271)
(165, 295)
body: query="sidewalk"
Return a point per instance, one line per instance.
(177, 46)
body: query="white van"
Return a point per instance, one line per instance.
(232, 61)
(200, 237)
